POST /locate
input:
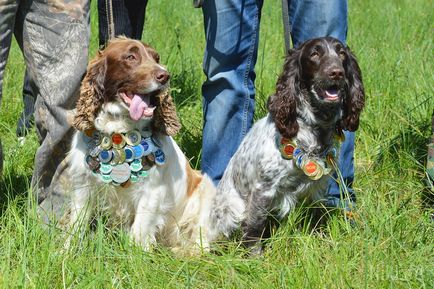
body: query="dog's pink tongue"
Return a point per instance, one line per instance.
(138, 106)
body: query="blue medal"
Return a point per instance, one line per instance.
(160, 158)
(105, 156)
(129, 154)
(148, 146)
(138, 151)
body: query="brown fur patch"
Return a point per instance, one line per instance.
(194, 177)
(91, 95)
(166, 120)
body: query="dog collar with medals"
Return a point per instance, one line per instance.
(313, 167)
(121, 158)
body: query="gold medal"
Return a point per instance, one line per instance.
(133, 138)
(106, 143)
(313, 170)
(310, 168)
(118, 140)
(287, 147)
(287, 151)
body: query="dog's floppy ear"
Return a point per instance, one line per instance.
(282, 105)
(355, 99)
(91, 94)
(165, 119)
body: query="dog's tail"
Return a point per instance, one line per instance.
(194, 223)
(226, 212)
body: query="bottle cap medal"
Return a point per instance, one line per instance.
(122, 157)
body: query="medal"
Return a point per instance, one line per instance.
(134, 178)
(287, 150)
(156, 142)
(286, 147)
(95, 151)
(120, 173)
(146, 164)
(133, 138)
(122, 155)
(118, 141)
(105, 168)
(106, 142)
(122, 159)
(313, 170)
(129, 154)
(96, 137)
(160, 158)
(136, 165)
(138, 151)
(92, 162)
(116, 157)
(106, 179)
(143, 174)
(148, 146)
(105, 156)
(310, 167)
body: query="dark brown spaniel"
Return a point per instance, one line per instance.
(324, 75)
(288, 156)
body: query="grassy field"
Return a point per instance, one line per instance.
(392, 244)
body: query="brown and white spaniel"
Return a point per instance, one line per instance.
(123, 152)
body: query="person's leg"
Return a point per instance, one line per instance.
(231, 31)
(55, 44)
(311, 19)
(8, 11)
(25, 120)
(136, 13)
(117, 13)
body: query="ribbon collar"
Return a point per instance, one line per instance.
(313, 166)
(122, 158)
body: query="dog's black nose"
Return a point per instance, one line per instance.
(336, 73)
(162, 76)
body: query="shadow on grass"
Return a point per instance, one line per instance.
(13, 185)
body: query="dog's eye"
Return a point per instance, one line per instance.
(131, 57)
(342, 54)
(314, 55)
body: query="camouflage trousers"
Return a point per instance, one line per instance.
(54, 38)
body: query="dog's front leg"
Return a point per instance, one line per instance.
(81, 210)
(256, 224)
(149, 218)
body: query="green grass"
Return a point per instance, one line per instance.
(392, 244)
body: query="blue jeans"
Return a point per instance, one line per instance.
(232, 36)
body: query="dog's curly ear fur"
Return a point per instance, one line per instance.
(165, 118)
(282, 105)
(355, 100)
(91, 94)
